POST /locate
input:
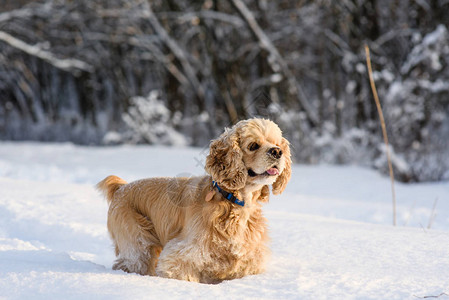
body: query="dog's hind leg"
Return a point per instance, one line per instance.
(136, 244)
(154, 250)
(179, 260)
(143, 265)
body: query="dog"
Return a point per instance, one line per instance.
(202, 229)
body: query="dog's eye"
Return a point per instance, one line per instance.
(253, 146)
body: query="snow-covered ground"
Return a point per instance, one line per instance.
(331, 230)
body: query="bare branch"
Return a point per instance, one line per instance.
(26, 12)
(175, 49)
(275, 59)
(18, 13)
(205, 14)
(70, 65)
(159, 56)
(181, 16)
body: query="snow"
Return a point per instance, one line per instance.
(430, 49)
(150, 120)
(331, 230)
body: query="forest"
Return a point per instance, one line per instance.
(176, 72)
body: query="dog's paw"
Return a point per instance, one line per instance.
(130, 266)
(180, 272)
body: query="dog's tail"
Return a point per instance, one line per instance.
(109, 186)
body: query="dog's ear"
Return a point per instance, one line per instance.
(225, 161)
(280, 183)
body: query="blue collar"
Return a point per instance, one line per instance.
(229, 196)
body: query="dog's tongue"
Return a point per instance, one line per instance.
(273, 171)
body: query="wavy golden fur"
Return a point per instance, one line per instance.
(184, 228)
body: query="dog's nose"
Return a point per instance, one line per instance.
(275, 152)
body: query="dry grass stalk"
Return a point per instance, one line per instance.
(433, 214)
(384, 130)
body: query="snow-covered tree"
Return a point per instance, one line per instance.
(150, 121)
(68, 70)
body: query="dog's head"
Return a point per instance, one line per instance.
(252, 151)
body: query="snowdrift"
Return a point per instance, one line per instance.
(331, 232)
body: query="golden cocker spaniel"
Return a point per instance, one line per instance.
(203, 229)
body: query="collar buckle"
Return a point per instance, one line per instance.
(227, 195)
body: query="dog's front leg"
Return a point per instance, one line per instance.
(179, 260)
